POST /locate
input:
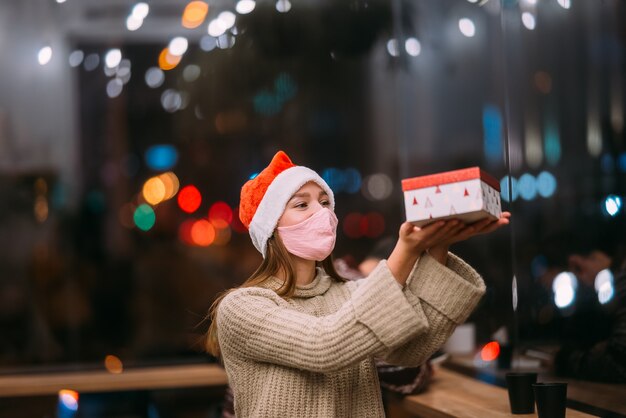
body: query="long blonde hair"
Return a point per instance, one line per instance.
(277, 260)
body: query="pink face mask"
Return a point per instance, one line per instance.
(313, 238)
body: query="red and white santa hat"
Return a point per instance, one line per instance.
(264, 198)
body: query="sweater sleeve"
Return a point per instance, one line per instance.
(256, 324)
(445, 296)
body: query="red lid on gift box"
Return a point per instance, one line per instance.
(449, 177)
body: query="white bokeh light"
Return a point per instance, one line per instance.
(154, 77)
(178, 46)
(76, 58)
(245, 6)
(114, 87)
(392, 47)
(227, 19)
(215, 28)
(112, 58)
(413, 47)
(564, 287)
(528, 20)
(467, 27)
(283, 6)
(133, 23)
(140, 10)
(45, 55)
(566, 4)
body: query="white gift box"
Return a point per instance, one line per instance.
(469, 194)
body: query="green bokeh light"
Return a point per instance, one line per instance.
(144, 217)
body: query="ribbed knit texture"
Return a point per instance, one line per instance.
(313, 355)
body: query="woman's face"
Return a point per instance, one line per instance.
(309, 199)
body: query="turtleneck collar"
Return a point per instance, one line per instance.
(320, 284)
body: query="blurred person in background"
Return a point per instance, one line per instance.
(602, 358)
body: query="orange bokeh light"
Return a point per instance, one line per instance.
(220, 215)
(194, 14)
(202, 233)
(167, 61)
(490, 351)
(189, 199)
(113, 364)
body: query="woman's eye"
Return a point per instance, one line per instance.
(325, 203)
(300, 205)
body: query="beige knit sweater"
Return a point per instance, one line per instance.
(312, 355)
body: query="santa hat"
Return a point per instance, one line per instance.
(264, 198)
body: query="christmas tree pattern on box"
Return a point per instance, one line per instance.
(469, 194)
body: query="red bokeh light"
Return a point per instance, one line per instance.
(184, 231)
(352, 225)
(220, 215)
(490, 351)
(375, 224)
(189, 199)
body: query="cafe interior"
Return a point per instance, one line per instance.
(127, 129)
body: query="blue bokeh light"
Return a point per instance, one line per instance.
(161, 157)
(527, 186)
(612, 205)
(508, 196)
(546, 184)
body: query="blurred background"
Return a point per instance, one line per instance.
(127, 129)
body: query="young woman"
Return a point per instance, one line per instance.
(299, 341)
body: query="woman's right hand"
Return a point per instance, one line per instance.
(413, 241)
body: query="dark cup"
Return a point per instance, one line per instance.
(551, 399)
(520, 388)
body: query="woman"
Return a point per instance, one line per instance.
(299, 341)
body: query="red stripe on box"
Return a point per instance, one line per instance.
(449, 177)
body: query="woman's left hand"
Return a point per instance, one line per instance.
(463, 232)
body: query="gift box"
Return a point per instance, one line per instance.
(469, 194)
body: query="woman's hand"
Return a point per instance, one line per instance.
(462, 232)
(413, 241)
(436, 238)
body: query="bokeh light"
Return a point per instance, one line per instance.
(167, 60)
(194, 14)
(283, 6)
(144, 217)
(68, 399)
(222, 236)
(153, 191)
(245, 6)
(467, 27)
(546, 184)
(171, 183)
(178, 46)
(490, 351)
(114, 87)
(564, 288)
(191, 73)
(528, 19)
(220, 215)
(154, 77)
(412, 47)
(45, 55)
(202, 233)
(377, 187)
(527, 186)
(161, 157)
(112, 58)
(113, 364)
(76, 58)
(612, 205)
(189, 199)
(392, 47)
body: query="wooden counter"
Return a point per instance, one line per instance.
(453, 395)
(149, 378)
